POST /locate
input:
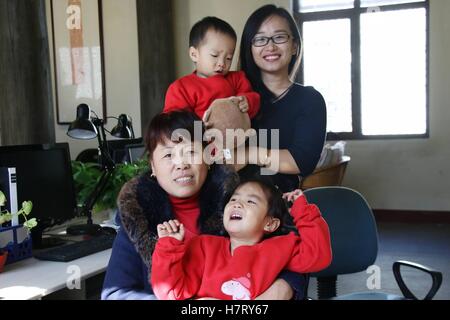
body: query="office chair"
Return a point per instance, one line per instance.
(354, 242)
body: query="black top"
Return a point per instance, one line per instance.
(301, 117)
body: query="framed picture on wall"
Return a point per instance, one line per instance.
(77, 29)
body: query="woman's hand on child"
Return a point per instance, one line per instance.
(171, 228)
(293, 195)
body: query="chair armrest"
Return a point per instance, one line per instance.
(436, 277)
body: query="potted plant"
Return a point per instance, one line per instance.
(86, 176)
(6, 216)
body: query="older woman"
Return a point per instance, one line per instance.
(270, 55)
(181, 186)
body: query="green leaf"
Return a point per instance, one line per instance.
(2, 199)
(5, 218)
(27, 206)
(30, 223)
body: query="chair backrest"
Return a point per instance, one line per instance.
(353, 231)
(331, 175)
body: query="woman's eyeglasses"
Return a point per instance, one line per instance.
(261, 41)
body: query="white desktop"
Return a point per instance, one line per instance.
(34, 279)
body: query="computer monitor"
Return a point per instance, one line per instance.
(44, 176)
(134, 152)
(117, 148)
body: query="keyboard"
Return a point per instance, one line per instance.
(78, 249)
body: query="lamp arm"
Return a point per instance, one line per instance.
(93, 197)
(132, 131)
(108, 166)
(107, 163)
(130, 125)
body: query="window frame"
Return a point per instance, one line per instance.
(355, 32)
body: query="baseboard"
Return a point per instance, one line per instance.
(411, 216)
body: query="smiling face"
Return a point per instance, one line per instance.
(214, 54)
(179, 168)
(274, 58)
(245, 216)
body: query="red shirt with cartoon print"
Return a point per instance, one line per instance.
(204, 266)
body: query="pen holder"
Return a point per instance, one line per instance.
(15, 240)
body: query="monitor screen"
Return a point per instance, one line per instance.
(135, 152)
(44, 176)
(118, 150)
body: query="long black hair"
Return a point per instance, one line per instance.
(247, 63)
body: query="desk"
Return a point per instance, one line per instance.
(34, 279)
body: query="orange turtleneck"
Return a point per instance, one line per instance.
(187, 211)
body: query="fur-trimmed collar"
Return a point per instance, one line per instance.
(143, 204)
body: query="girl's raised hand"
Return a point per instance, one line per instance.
(171, 228)
(293, 195)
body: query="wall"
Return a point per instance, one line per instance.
(156, 55)
(412, 174)
(392, 174)
(26, 115)
(121, 68)
(188, 12)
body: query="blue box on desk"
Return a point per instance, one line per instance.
(17, 241)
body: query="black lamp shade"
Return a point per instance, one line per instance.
(122, 130)
(82, 127)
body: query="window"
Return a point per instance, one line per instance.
(369, 59)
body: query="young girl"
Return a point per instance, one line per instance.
(243, 265)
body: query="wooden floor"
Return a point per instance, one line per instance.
(427, 244)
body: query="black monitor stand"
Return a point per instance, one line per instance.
(84, 229)
(44, 242)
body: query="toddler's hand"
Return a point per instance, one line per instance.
(206, 118)
(235, 100)
(243, 104)
(171, 228)
(293, 195)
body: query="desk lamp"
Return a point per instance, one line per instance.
(86, 127)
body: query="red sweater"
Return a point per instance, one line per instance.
(204, 266)
(187, 212)
(198, 93)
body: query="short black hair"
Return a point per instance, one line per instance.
(163, 125)
(277, 206)
(199, 30)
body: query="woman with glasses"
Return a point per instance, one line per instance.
(270, 55)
